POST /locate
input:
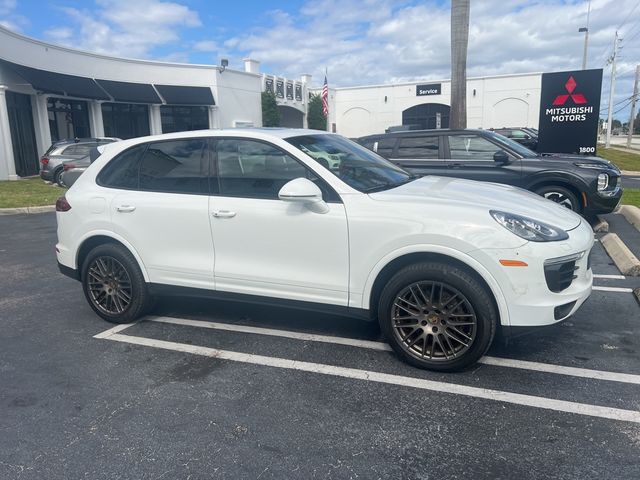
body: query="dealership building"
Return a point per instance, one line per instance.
(49, 93)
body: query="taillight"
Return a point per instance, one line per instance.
(62, 205)
(44, 161)
(68, 166)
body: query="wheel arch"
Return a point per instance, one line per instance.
(100, 238)
(387, 267)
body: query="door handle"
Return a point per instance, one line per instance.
(125, 208)
(223, 214)
(456, 165)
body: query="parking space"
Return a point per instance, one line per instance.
(208, 389)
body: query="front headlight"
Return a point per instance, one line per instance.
(528, 228)
(603, 181)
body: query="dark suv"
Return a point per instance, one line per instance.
(587, 185)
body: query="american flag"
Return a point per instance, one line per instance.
(325, 98)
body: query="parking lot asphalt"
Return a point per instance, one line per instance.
(207, 389)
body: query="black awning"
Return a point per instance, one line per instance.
(60, 83)
(130, 92)
(179, 95)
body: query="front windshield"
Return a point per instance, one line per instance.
(352, 163)
(512, 145)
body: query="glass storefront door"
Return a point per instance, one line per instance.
(68, 118)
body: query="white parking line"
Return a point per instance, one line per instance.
(613, 289)
(612, 277)
(372, 376)
(354, 342)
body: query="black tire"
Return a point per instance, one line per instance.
(120, 260)
(56, 177)
(560, 195)
(456, 281)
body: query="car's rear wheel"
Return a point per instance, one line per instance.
(56, 176)
(437, 316)
(561, 195)
(113, 284)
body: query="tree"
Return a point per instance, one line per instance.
(615, 123)
(459, 42)
(270, 112)
(315, 117)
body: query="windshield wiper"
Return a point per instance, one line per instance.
(389, 186)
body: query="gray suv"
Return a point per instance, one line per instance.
(69, 149)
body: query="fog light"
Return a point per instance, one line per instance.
(603, 181)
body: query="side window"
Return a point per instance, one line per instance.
(122, 171)
(179, 166)
(518, 134)
(70, 150)
(251, 169)
(418, 147)
(471, 147)
(83, 149)
(385, 146)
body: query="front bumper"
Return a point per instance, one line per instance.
(527, 294)
(602, 202)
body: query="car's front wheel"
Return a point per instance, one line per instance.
(561, 196)
(437, 316)
(113, 284)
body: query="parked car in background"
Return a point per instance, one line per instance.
(586, 185)
(440, 263)
(523, 136)
(69, 149)
(72, 169)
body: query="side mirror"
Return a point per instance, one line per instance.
(302, 190)
(501, 157)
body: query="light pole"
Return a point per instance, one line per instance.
(586, 38)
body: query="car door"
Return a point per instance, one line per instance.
(420, 154)
(269, 247)
(472, 156)
(162, 210)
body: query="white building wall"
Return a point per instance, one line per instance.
(492, 102)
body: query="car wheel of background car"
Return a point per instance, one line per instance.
(437, 316)
(60, 180)
(561, 195)
(56, 176)
(114, 285)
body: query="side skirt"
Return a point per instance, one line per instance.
(162, 290)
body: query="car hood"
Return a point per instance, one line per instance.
(566, 157)
(434, 190)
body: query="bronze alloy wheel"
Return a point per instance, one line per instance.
(433, 321)
(109, 285)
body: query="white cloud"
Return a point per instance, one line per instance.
(9, 18)
(205, 46)
(125, 28)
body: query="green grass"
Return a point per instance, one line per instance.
(29, 192)
(624, 160)
(631, 196)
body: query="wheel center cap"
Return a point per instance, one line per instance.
(433, 318)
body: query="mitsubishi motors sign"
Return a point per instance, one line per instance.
(569, 111)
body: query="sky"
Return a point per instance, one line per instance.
(358, 42)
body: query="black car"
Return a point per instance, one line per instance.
(524, 136)
(587, 185)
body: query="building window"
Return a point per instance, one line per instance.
(68, 119)
(182, 119)
(289, 91)
(125, 120)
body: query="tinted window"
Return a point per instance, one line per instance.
(418, 147)
(385, 146)
(518, 134)
(122, 171)
(180, 166)
(251, 169)
(82, 149)
(471, 147)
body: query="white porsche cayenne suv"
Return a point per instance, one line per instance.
(316, 221)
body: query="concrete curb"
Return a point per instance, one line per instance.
(630, 173)
(636, 292)
(27, 210)
(632, 214)
(625, 260)
(600, 225)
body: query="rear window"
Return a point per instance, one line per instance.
(122, 171)
(418, 147)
